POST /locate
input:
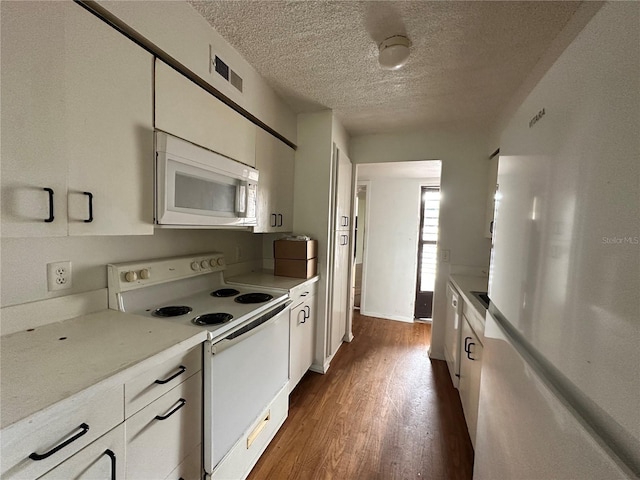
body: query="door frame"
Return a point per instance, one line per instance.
(424, 188)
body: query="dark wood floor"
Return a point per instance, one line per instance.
(383, 411)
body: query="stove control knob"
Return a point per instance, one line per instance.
(204, 264)
(195, 266)
(213, 263)
(220, 261)
(131, 276)
(145, 274)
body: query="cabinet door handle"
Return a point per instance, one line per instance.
(466, 348)
(181, 370)
(90, 195)
(274, 220)
(50, 218)
(307, 311)
(304, 315)
(109, 453)
(41, 456)
(469, 351)
(491, 227)
(182, 403)
(280, 219)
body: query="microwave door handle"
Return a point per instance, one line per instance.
(241, 198)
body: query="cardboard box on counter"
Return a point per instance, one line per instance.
(295, 249)
(287, 267)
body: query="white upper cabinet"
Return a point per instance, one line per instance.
(275, 162)
(33, 93)
(188, 111)
(77, 119)
(109, 131)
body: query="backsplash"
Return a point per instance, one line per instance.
(24, 260)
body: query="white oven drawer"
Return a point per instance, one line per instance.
(58, 432)
(155, 382)
(246, 452)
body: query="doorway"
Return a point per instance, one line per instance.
(427, 252)
(388, 223)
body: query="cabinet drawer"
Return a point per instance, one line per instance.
(155, 382)
(160, 435)
(65, 428)
(301, 293)
(190, 468)
(101, 460)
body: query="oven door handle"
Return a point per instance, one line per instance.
(250, 329)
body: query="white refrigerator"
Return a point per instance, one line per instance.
(560, 386)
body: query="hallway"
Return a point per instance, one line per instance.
(383, 411)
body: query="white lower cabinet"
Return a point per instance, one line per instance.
(302, 322)
(470, 370)
(161, 435)
(190, 468)
(103, 459)
(32, 447)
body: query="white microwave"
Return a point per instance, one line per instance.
(196, 187)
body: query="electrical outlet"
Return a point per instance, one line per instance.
(445, 256)
(59, 275)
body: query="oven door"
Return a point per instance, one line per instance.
(242, 377)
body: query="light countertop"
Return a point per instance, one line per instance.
(266, 278)
(56, 361)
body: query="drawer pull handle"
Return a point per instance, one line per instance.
(182, 403)
(180, 371)
(109, 453)
(42, 456)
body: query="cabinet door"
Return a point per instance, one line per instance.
(190, 112)
(343, 192)
(161, 435)
(109, 98)
(302, 327)
(338, 326)
(470, 370)
(32, 131)
(275, 162)
(101, 460)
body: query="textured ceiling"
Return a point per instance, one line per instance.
(467, 58)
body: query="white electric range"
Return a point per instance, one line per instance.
(246, 356)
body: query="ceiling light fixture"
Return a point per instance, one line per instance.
(393, 52)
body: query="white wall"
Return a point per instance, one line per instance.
(24, 260)
(391, 259)
(179, 30)
(465, 166)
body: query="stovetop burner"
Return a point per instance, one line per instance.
(171, 311)
(225, 292)
(212, 318)
(253, 298)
